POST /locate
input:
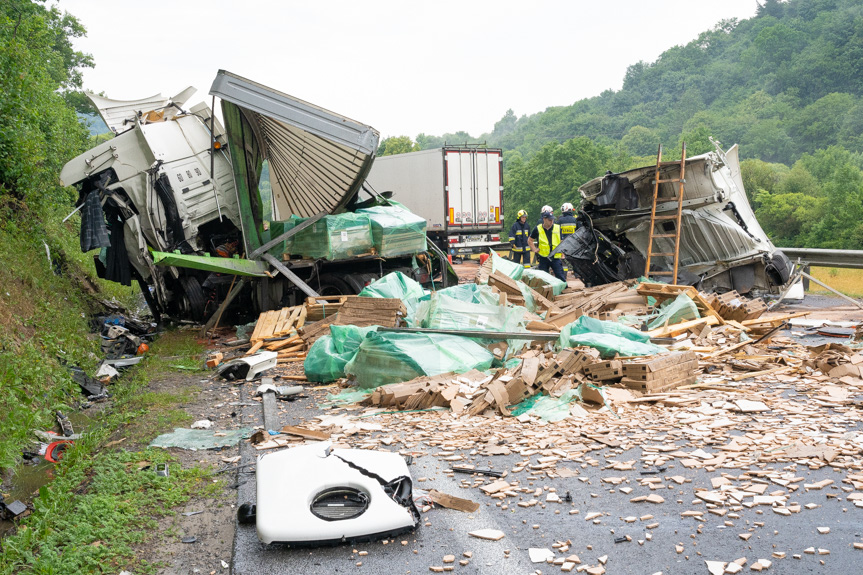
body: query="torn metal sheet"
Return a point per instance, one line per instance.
(721, 243)
(231, 266)
(317, 495)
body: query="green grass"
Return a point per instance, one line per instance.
(846, 281)
(101, 505)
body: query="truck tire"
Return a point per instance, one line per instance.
(192, 302)
(333, 285)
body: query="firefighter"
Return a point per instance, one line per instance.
(519, 251)
(542, 241)
(546, 209)
(567, 221)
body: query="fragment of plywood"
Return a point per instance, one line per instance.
(488, 534)
(453, 502)
(305, 433)
(677, 328)
(565, 318)
(311, 332)
(663, 292)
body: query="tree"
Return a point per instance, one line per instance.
(505, 125)
(640, 141)
(397, 145)
(39, 132)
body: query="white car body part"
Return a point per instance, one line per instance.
(317, 495)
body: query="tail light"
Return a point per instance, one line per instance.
(495, 238)
(453, 240)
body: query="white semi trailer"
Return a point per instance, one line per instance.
(458, 190)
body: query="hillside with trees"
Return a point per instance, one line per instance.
(786, 85)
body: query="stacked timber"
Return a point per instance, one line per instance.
(660, 373)
(366, 311)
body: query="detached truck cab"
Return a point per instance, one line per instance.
(458, 190)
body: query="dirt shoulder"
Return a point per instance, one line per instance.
(198, 537)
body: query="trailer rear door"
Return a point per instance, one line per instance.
(474, 188)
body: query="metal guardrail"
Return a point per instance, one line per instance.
(826, 258)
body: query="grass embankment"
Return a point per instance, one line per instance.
(846, 281)
(100, 503)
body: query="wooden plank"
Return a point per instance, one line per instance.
(266, 321)
(453, 502)
(567, 317)
(289, 323)
(256, 347)
(682, 326)
(302, 319)
(259, 325)
(774, 319)
(305, 433)
(284, 313)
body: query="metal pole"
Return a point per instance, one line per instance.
(824, 285)
(213, 155)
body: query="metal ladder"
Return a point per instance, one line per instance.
(654, 219)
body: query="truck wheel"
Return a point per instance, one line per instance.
(333, 285)
(192, 302)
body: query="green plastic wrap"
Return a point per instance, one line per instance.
(506, 267)
(529, 302)
(335, 237)
(537, 278)
(277, 228)
(395, 357)
(349, 396)
(329, 355)
(681, 308)
(444, 312)
(586, 324)
(396, 231)
(608, 337)
(394, 285)
(397, 285)
(525, 405)
(471, 293)
(608, 345)
(554, 409)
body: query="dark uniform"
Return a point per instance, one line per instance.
(567, 227)
(518, 235)
(567, 224)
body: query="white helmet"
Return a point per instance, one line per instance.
(566, 207)
(546, 209)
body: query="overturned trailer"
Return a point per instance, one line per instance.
(184, 206)
(722, 246)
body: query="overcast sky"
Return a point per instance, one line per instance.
(403, 67)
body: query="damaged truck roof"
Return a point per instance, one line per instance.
(318, 159)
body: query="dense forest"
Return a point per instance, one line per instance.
(786, 85)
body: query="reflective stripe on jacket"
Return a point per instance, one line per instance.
(544, 248)
(567, 224)
(518, 235)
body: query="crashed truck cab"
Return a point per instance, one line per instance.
(188, 203)
(160, 189)
(722, 246)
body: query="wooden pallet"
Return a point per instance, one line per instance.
(278, 323)
(663, 292)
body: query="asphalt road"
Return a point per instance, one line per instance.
(445, 531)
